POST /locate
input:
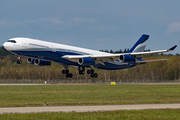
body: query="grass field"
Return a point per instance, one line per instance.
(167, 114)
(15, 96)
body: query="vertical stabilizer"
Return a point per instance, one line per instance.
(140, 44)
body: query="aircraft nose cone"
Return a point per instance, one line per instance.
(6, 46)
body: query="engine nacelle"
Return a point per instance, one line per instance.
(30, 60)
(86, 61)
(127, 59)
(42, 62)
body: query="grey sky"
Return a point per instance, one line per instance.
(94, 24)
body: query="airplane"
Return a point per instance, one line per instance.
(41, 53)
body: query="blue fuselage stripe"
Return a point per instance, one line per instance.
(57, 57)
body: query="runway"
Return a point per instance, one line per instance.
(94, 108)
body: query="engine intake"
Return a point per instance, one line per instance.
(86, 61)
(127, 59)
(30, 60)
(39, 62)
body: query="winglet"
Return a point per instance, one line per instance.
(171, 49)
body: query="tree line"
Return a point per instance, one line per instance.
(120, 51)
(167, 70)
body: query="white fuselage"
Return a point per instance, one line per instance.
(27, 44)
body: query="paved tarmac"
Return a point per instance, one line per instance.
(24, 84)
(86, 108)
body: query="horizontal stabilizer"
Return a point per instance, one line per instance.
(151, 60)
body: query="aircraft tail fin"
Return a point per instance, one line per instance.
(140, 44)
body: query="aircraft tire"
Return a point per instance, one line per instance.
(67, 75)
(92, 71)
(88, 71)
(92, 75)
(70, 75)
(95, 75)
(63, 71)
(81, 72)
(67, 71)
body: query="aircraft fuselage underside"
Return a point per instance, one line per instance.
(57, 57)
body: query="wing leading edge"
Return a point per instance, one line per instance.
(112, 57)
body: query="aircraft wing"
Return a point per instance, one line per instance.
(112, 57)
(152, 52)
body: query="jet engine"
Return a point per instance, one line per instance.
(86, 61)
(39, 62)
(30, 60)
(127, 59)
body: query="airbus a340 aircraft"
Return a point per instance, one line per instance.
(41, 53)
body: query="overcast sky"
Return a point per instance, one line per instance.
(94, 24)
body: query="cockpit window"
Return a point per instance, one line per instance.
(13, 41)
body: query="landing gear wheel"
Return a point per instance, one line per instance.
(81, 72)
(67, 71)
(63, 71)
(69, 75)
(92, 75)
(88, 71)
(95, 75)
(92, 71)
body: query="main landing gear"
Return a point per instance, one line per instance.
(19, 60)
(91, 71)
(81, 72)
(93, 75)
(70, 75)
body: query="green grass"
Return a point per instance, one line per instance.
(167, 114)
(15, 96)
